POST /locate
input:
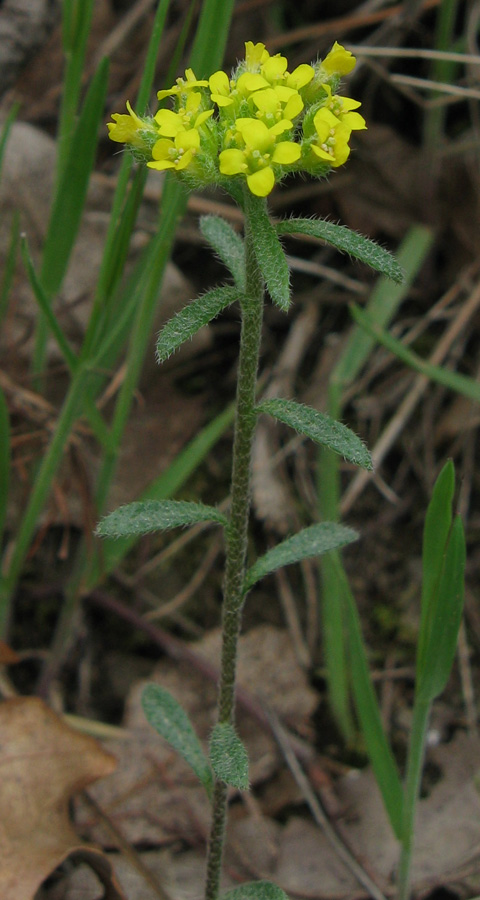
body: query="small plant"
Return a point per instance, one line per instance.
(244, 134)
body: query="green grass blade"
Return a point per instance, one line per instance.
(334, 645)
(72, 189)
(366, 704)
(7, 125)
(5, 458)
(461, 384)
(76, 21)
(10, 264)
(384, 302)
(46, 307)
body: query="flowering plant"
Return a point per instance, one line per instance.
(259, 125)
(245, 134)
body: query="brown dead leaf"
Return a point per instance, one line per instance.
(43, 762)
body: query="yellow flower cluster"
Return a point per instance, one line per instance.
(257, 125)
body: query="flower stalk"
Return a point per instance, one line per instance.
(236, 535)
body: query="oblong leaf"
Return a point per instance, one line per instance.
(348, 241)
(145, 516)
(268, 250)
(228, 756)
(311, 541)
(367, 706)
(446, 615)
(319, 428)
(170, 720)
(191, 318)
(228, 246)
(255, 890)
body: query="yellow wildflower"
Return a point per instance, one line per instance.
(177, 153)
(339, 61)
(183, 85)
(260, 152)
(169, 123)
(127, 129)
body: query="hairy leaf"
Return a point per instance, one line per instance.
(312, 541)
(228, 245)
(320, 428)
(268, 251)
(228, 756)
(191, 318)
(144, 516)
(170, 720)
(348, 241)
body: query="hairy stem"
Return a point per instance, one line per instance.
(236, 535)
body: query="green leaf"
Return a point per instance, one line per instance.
(5, 460)
(368, 711)
(228, 756)
(191, 318)
(348, 241)
(311, 541)
(320, 428)
(269, 252)
(170, 720)
(442, 588)
(72, 190)
(144, 516)
(228, 246)
(255, 890)
(453, 380)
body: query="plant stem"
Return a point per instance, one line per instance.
(236, 534)
(421, 712)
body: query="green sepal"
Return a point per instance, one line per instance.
(268, 250)
(442, 588)
(310, 542)
(228, 756)
(191, 318)
(228, 246)
(169, 719)
(348, 241)
(319, 428)
(255, 890)
(145, 516)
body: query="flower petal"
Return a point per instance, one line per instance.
(232, 162)
(261, 182)
(286, 152)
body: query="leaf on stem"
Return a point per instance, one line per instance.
(310, 542)
(348, 241)
(170, 720)
(320, 428)
(228, 756)
(442, 588)
(255, 890)
(228, 246)
(191, 318)
(268, 250)
(144, 516)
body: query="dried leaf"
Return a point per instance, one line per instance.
(44, 762)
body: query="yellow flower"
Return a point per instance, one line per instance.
(280, 102)
(177, 153)
(339, 61)
(170, 123)
(183, 85)
(255, 55)
(220, 88)
(300, 76)
(127, 129)
(260, 152)
(332, 138)
(342, 107)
